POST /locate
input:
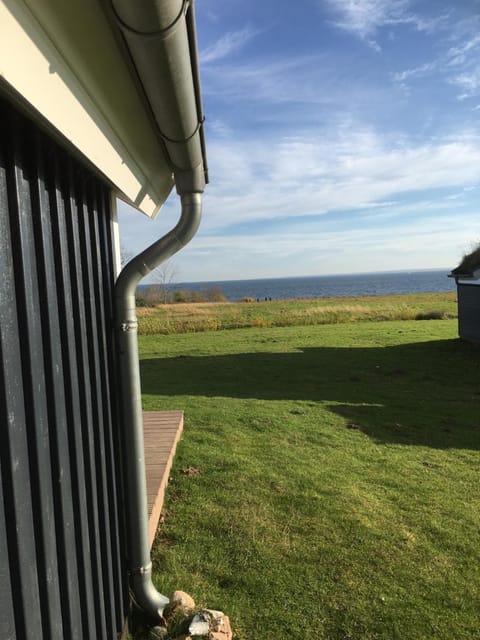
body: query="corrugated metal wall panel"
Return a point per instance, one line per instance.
(13, 439)
(62, 562)
(59, 215)
(105, 265)
(54, 372)
(35, 392)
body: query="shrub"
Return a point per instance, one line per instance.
(197, 296)
(141, 301)
(431, 315)
(215, 294)
(180, 296)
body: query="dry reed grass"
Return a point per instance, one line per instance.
(205, 316)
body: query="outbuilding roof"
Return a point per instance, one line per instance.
(469, 267)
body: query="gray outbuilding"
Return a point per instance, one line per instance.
(467, 278)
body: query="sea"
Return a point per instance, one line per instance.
(332, 286)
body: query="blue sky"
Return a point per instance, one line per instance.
(343, 136)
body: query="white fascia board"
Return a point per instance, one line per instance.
(94, 106)
(115, 231)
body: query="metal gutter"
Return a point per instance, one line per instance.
(160, 38)
(192, 31)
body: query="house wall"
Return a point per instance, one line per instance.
(469, 311)
(61, 535)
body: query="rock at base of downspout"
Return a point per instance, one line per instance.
(209, 625)
(181, 623)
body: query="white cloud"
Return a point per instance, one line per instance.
(295, 89)
(469, 81)
(380, 204)
(228, 44)
(410, 243)
(364, 18)
(459, 54)
(422, 70)
(271, 81)
(350, 169)
(411, 235)
(456, 65)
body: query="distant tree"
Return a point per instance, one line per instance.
(161, 279)
(125, 255)
(164, 276)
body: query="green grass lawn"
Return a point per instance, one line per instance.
(337, 492)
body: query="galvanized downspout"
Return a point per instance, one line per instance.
(140, 567)
(160, 37)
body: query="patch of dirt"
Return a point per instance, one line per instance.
(190, 471)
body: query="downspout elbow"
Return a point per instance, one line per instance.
(162, 249)
(146, 597)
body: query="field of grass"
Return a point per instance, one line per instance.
(208, 316)
(326, 486)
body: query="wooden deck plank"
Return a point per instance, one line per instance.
(161, 431)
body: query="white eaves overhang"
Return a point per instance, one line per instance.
(65, 62)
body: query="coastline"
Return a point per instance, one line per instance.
(309, 287)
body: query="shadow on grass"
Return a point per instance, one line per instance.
(417, 394)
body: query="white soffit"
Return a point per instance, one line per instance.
(63, 59)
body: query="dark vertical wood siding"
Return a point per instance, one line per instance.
(61, 536)
(469, 311)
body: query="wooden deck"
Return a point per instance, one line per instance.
(162, 430)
